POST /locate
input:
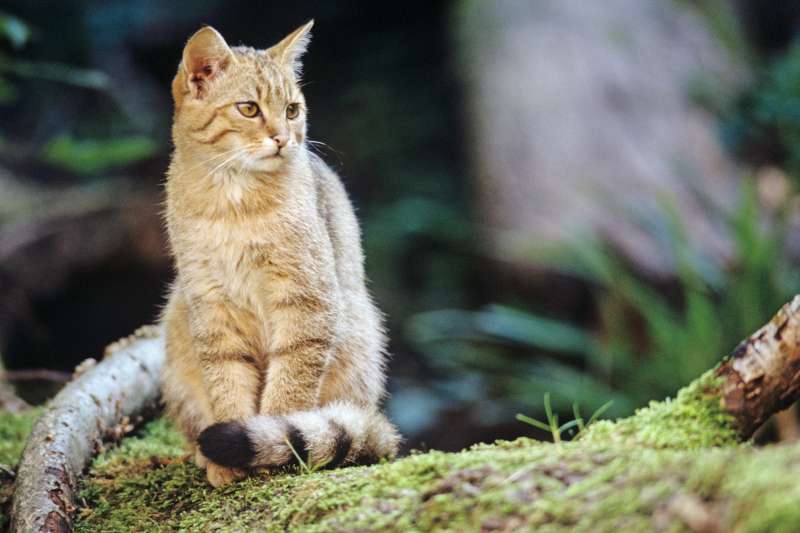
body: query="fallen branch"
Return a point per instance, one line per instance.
(75, 422)
(762, 375)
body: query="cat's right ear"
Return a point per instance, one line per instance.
(205, 56)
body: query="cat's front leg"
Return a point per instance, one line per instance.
(302, 326)
(230, 373)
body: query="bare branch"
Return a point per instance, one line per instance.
(28, 374)
(87, 410)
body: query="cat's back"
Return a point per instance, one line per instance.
(337, 211)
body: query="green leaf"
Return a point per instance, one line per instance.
(532, 330)
(91, 156)
(597, 414)
(58, 72)
(533, 422)
(568, 425)
(14, 30)
(576, 411)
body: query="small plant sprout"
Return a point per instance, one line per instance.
(305, 468)
(552, 419)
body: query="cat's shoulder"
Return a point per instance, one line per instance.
(326, 178)
(320, 169)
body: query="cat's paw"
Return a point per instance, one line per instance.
(219, 476)
(199, 459)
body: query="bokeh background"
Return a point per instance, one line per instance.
(571, 203)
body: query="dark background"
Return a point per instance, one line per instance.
(85, 112)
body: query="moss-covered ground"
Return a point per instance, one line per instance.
(14, 428)
(672, 464)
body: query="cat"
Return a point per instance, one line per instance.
(275, 349)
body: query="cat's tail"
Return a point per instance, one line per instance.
(337, 434)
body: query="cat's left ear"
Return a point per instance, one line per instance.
(205, 57)
(289, 51)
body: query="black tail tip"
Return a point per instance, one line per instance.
(227, 444)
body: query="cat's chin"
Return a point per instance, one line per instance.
(266, 164)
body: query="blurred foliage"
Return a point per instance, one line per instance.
(86, 156)
(18, 33)
(95, 155)
(721, 18)
(645, 344)
(764, 124)
(14, 30)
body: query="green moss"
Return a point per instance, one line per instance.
(14, 429)
(524, 484)
(695, 419)
(623, 474)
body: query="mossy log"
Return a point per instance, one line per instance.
(675, 465)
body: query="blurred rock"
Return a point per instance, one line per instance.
(582, 120)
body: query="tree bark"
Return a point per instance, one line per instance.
(762, 375)
(97, 405)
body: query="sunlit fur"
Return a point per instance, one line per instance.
(269, 314)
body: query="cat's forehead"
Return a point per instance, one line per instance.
(257, 69)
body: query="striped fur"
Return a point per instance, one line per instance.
(336, 435)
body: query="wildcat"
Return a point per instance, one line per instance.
(274, 346)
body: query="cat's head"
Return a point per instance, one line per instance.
(241, 106)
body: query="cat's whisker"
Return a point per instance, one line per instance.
(235, 151)
(241, 150)
(223, 154)
(315, 144)
(227, 161)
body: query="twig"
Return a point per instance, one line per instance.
(9, 401)
(28, 374)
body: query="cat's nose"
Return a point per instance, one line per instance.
(280, 140)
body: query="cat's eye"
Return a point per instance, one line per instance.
(248, 109)
(292, 110)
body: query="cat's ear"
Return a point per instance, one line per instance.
(205, 56)
(289, 51)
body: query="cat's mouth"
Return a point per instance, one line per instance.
(269, 156)
(266, 161)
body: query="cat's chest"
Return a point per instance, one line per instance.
(226, 254)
